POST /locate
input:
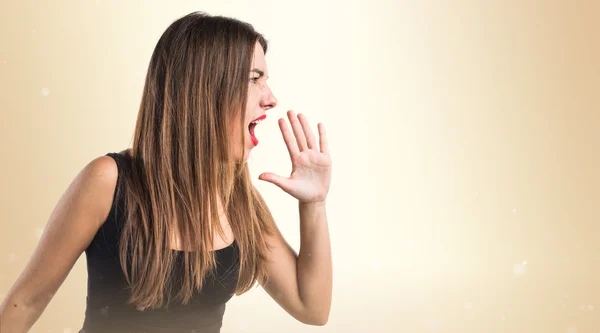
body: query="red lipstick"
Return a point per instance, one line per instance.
(264, 116)
(252, 126)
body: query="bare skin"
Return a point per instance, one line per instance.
(300, 283)
(78, 215)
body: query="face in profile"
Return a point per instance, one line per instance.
(260, 99)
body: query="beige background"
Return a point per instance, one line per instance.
(464, 133)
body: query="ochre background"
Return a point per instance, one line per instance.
(464, 135)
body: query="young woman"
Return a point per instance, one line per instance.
(173, 227)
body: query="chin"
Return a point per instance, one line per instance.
(246, 156)
(242, 157)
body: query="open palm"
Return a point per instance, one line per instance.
(311, 163)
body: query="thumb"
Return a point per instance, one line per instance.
(274, 179)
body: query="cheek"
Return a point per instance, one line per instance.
(240, 136)
(241, 132)
(253, 98)
(235, 136)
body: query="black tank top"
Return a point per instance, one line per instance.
(107, 308)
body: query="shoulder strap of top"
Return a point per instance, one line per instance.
(117, 157)
(117, 208)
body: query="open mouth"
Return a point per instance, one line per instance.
(252, 126)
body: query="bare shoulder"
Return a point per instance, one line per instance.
(97, 182)
(102, 170)
(87, 201)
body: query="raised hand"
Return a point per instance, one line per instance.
(311, 163)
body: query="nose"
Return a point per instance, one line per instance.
(269, 101)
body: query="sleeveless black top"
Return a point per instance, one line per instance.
(107, 309)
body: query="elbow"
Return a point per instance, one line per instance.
(16, 316)
(26, 308)
(317, 318)
(321, 321)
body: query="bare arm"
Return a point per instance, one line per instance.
(72, 225)
(302, 285)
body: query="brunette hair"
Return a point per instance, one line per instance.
(182, 165)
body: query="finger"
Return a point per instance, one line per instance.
(308, 133)
(272, 178)
(288, 137)
(297, 128)
(323, 142)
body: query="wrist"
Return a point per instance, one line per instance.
(312, 204)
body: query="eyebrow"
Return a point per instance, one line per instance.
(258, 71)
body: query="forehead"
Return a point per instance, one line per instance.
(258, 58)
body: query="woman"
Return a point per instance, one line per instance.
(173, 227)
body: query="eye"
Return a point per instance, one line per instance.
(254, 79)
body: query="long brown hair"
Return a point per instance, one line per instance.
(181, 164)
